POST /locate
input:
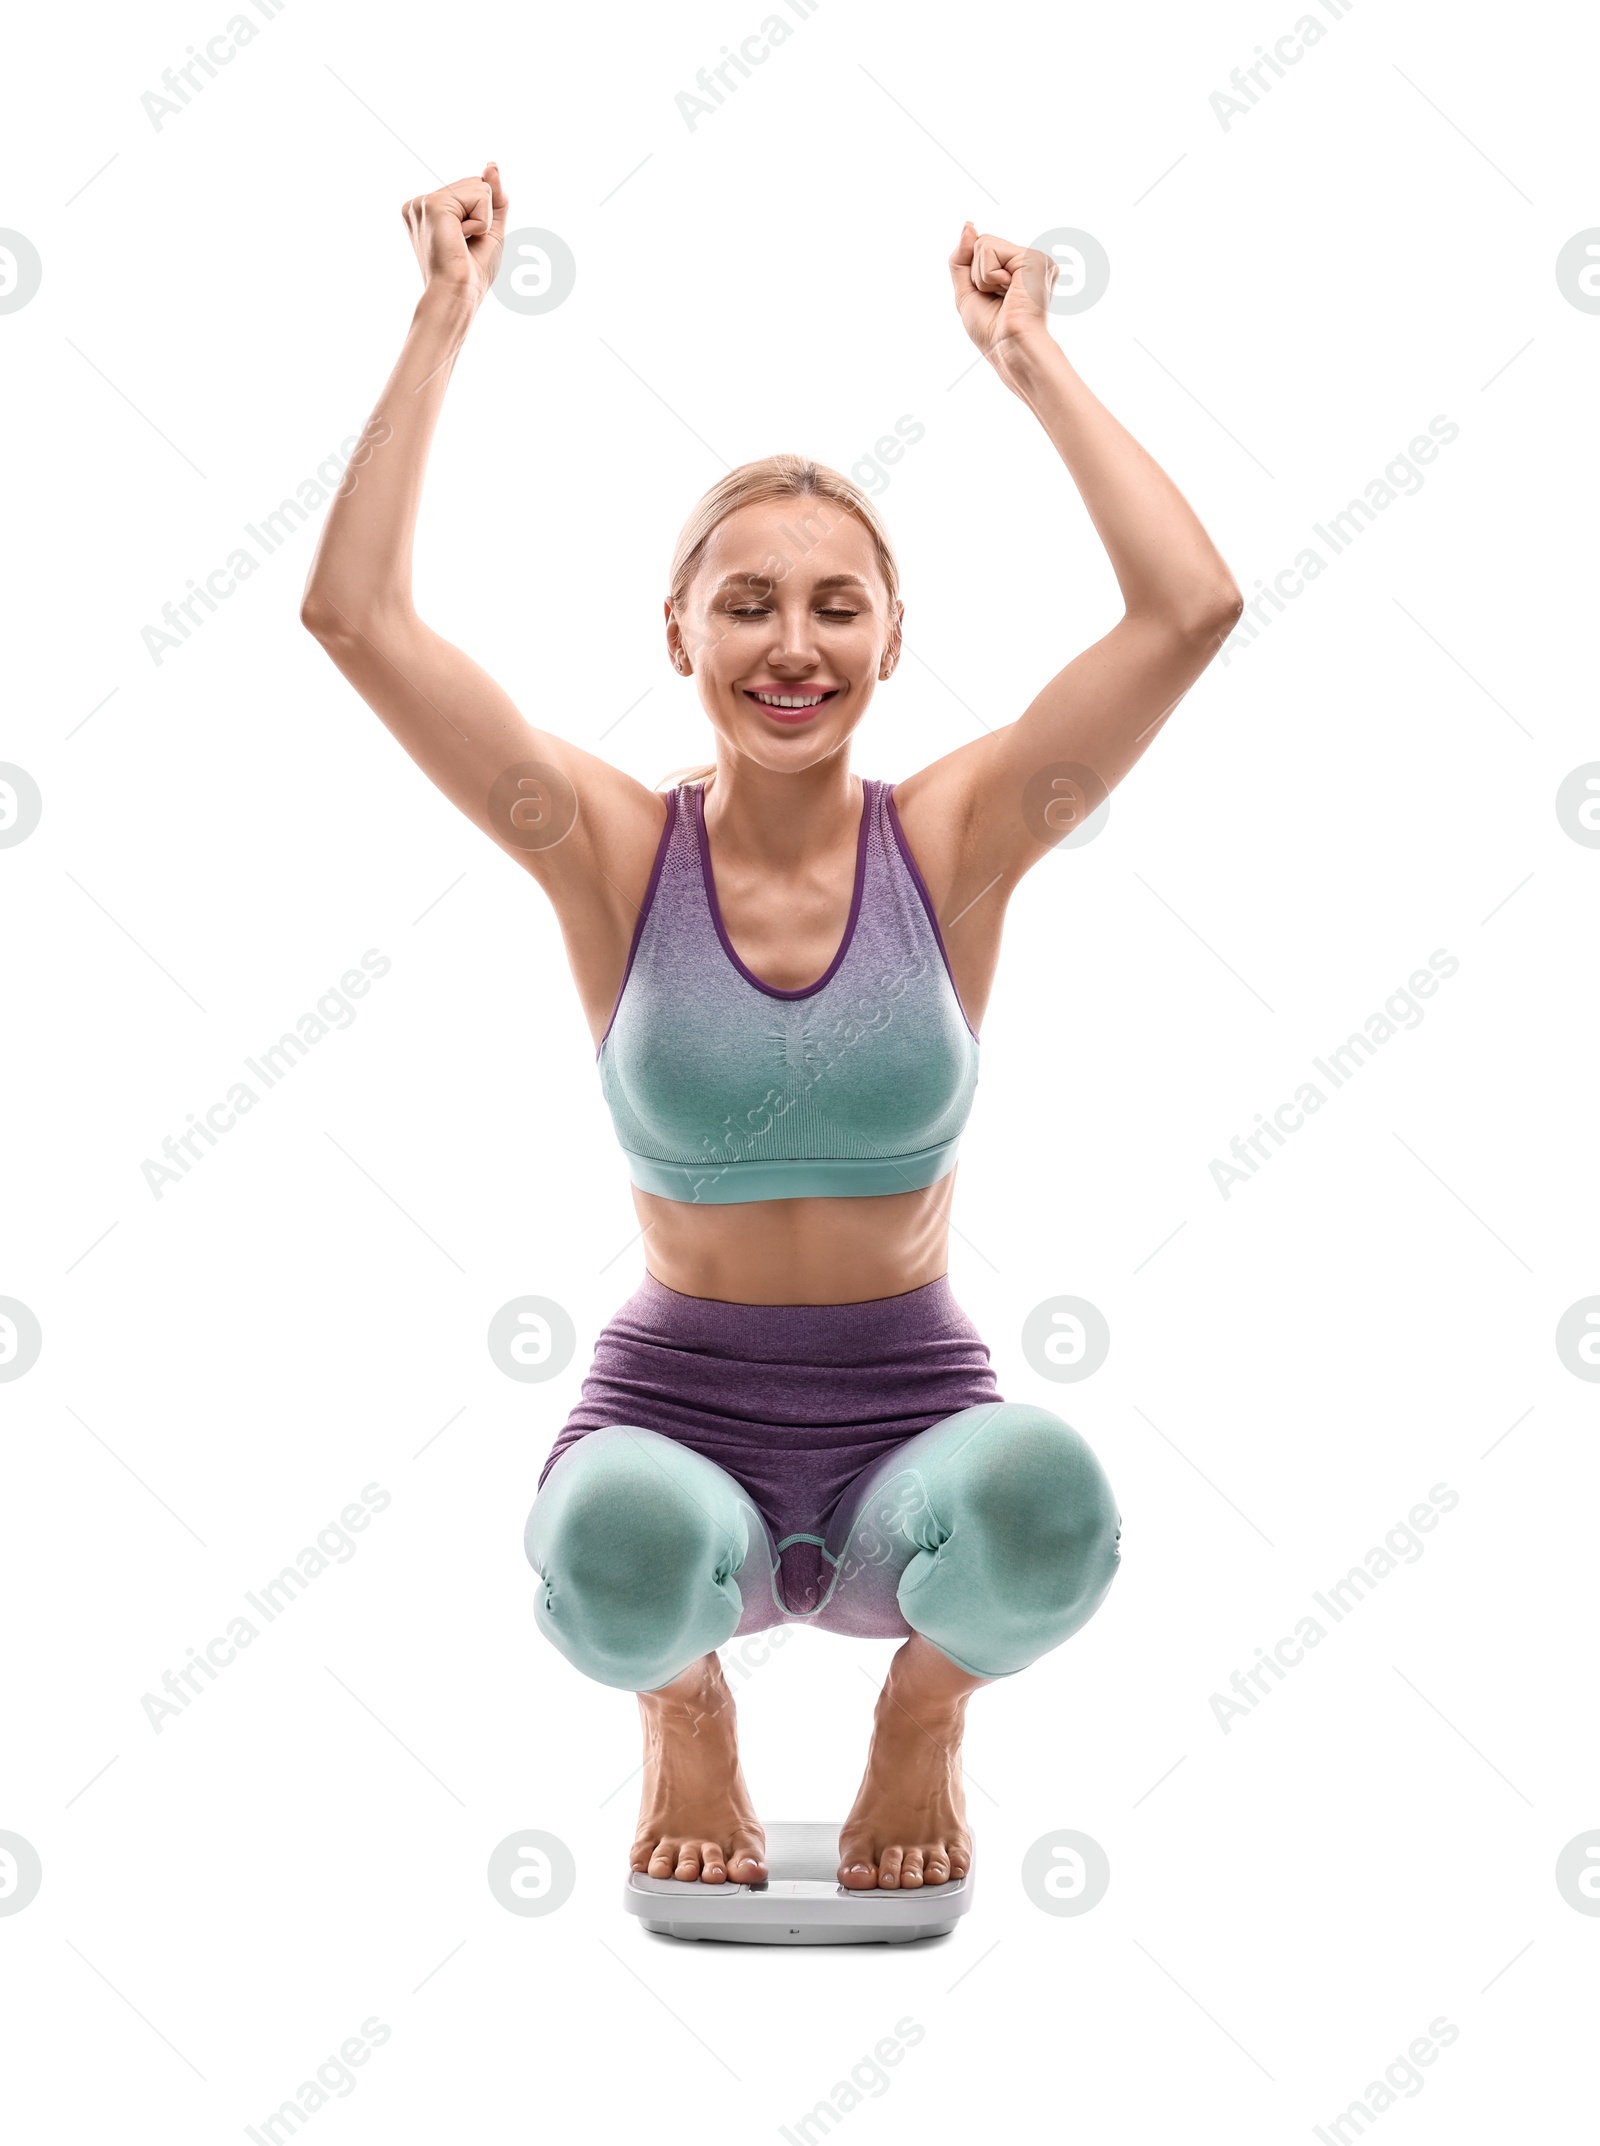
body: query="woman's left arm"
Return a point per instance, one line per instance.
(1004, 801)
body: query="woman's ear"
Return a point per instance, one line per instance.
(675, 647)
(891, 653)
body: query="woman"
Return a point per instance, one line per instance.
(783, 967)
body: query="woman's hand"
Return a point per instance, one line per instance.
(458, 232)
(1002, 293)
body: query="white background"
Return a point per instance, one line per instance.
(1292, 299)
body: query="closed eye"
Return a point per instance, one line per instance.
(764, 611)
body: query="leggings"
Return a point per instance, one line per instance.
(993, 1532)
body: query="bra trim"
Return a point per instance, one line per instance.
(668, 826)
(714, 1183)
(697, 806)
(921, 886)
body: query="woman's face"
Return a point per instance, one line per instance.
(788, 605)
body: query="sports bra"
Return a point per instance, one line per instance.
(724, 1089)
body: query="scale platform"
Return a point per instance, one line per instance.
(802, 1901)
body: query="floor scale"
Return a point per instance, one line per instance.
(801, 1902)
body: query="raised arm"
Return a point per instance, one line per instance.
(585, 830)
(977, 816)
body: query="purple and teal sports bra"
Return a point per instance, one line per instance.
(724, 1089)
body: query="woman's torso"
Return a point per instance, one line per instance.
(843, 1098)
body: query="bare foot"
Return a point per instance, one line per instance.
(696, 1820)
(908, 1824)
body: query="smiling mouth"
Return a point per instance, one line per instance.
(793, 707)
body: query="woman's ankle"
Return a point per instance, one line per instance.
(699, 1690)
(926, 1683)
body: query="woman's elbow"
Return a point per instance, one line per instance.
(1215, 616)
(319, 614)
(1207, 614)
(345, 615)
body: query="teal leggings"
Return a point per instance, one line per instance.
(993, 1533)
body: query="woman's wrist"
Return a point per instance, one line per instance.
(439, 326)
(448, 305)
(1026, 362)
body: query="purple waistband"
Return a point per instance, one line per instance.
(812, 1334)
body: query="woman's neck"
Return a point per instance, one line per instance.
(762, 814)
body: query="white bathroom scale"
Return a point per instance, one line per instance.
(802, 1901)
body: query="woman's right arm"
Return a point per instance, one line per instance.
(584, 829)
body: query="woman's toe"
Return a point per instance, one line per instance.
(889, 1866)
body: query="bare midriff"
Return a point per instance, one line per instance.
(799, 1251)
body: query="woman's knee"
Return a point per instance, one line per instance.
(1025, 1541)
(1034, 1487)
(636, 1559)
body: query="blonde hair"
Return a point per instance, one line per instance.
(781, 476)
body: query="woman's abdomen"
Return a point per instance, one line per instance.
(809, 1251)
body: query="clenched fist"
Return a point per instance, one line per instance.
(458, 232)
(1002, 293)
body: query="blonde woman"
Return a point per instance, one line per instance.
(784, 966)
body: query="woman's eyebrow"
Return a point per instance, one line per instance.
(767, 581)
